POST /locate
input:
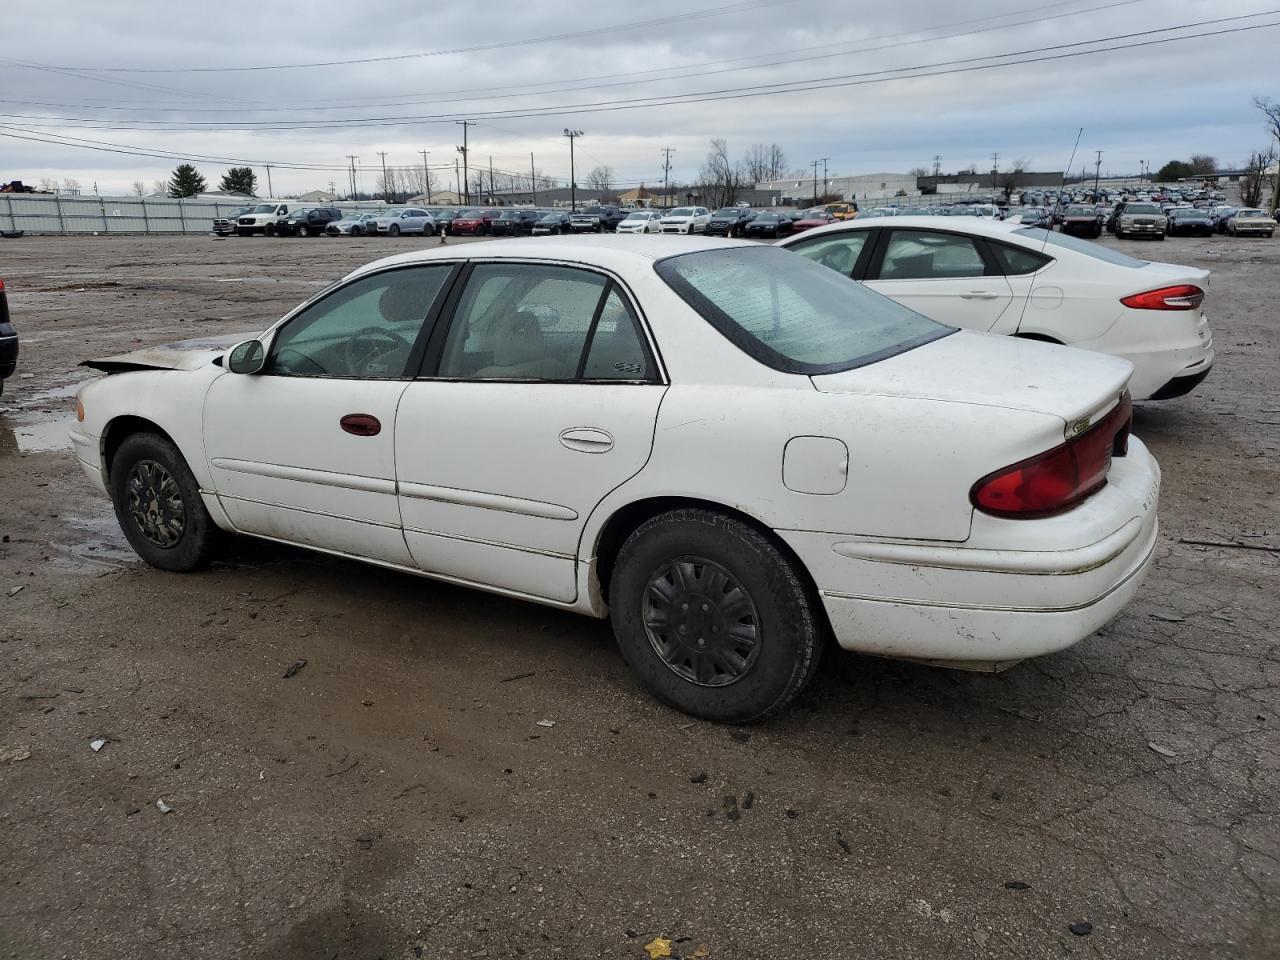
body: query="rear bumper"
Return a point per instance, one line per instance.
(1180, 386)
(1158, 358)
(8, 351)
(1015, 589)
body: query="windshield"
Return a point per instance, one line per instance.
(639, 215)
(1142, 208)
(728, 211)
(794, 314)
(265, 208)
(1249, 213)
(681, 212)
(551, 216)
(1080, 212)
(1067, 241)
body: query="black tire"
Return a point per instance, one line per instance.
(428, 231)
(244, 233)
(780, 615)
(149, 463)
(1159, 236)
(394, 229)
(269, 230)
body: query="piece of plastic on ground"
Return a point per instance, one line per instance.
(658, 947)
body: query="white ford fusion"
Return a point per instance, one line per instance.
(726, 449)
(1028, 282)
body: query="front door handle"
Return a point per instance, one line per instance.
(361, 424)
(978, 295)
(587, 440)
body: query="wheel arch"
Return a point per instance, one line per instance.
(628, 517)
(1042, 337)
(121, 428)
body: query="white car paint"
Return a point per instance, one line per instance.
(511, 485)
(265, 217)
(1073, 298)
(409, 220)
(641, 221)
(686, 220)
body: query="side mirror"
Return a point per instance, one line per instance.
(247, 357)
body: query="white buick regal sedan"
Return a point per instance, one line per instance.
(1004, 277)
(730, 451)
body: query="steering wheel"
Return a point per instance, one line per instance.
(369, 345)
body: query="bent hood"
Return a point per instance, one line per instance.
(993, 371)
(184, 355)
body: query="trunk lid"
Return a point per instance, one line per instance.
(994, 371)
(184, 355)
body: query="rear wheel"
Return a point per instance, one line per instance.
(711, 616)
(157, 502)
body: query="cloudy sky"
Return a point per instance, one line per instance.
(872, 87)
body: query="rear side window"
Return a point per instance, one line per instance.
(1096, 250)
(839, 252)
(921, 255)
(1016, 261)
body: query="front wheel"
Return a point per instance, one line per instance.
(157, 503)
(1159, 236)
(394, 230)
(712, 617)
(269, 230)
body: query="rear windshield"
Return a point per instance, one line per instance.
(1096, 250)
(794, 314)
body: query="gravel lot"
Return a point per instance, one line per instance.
(397, 798)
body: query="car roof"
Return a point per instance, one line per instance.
(611, 252)
(971, 225)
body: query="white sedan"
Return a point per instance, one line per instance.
(1035, 284)
(641, 221)
(686, 220)
(728, 450)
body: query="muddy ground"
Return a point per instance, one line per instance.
(397, 797)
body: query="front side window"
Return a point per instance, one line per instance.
(840, 252)
(364, 330)
(540, 322)
(920, 255)
(793, 314)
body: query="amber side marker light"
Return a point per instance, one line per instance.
(79, 410)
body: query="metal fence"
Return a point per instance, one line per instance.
(52, 214)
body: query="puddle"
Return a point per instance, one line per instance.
(99, 543)
(57, 393)
(42, 435)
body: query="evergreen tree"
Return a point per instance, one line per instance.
(186, 181)
(240, 180)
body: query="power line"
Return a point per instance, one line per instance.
(963, 65)
(787, 60)
(732, 8)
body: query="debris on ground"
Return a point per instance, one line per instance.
(748, 800)
(792, 813)
(740, 735)
(658, 948)
(163, 807)
(294, 668)
(1162, 750)
(699, 777)
(1016, 885)
(546, 723)
(1168, 617)
(844, 844)
(14, 754)
(96, 745)
(519, 676)
(1082, 929)
(731, 808)
(17, 590)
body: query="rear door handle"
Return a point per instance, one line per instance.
(978, 295)
(361, 424)
(587, 440)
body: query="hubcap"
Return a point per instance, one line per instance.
(701, 622)
(155, 503)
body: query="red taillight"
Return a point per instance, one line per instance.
(1182, 296)
(1057, 479)
(1, 284)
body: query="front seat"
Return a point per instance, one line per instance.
(520, 351)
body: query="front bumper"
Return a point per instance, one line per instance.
(1015, 589)
(676, 227)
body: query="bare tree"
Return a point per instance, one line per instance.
(1203, 165)
(764, 162)
(160, 187)
(1008, 181)
(601, 178)
(71, 185)
(139, 188)
(1254, 180)
(919, 172)
(48, 185)
(1271, 110)
(718, 178)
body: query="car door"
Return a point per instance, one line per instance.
(539, 397)
(949, 277)
(303, 451)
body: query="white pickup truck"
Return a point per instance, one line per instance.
(263, 218)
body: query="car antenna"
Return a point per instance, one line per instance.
(1058, 202)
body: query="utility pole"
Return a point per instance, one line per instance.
(666, 175)
(533, 180)
(426, 173)
(815, 182)
(457, 179)
(937, 164)
(824, 176)
(995, 168)
(573, 183)
(466, 173)
(492, 191)
(385, 191)
(1097, 171)
(270, 192)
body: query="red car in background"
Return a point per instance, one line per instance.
(475, 222)
(814, 217)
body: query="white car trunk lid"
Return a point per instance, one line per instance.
(993, 371)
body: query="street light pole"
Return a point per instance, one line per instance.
(573, 182)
